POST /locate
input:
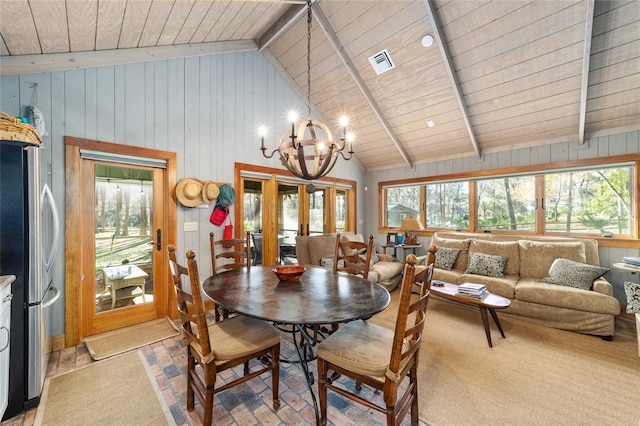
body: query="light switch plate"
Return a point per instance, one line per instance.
(191, 226)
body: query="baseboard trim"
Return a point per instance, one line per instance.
(57, 342)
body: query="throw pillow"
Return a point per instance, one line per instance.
(486, 264)
(510, 249)
(574, 274)
(327, 262)
(632, 290)
(374, 256)
(446, 257)
(463, 245)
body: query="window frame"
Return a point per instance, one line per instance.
(538, 171)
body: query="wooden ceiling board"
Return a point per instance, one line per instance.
(533, 68)
(611, 87)
(521, 85)
(446, 103)
(135, 17)
(341, 14)
(192, 22)
(262, 17)
(50, 19)
(618, 37)
(179, 13)
(239, 21)
(209, 21)
(599, 121)
(519, 46)
(18, 29)
(534, 99)
(415, 102)
(534, 137)
(82, 16)
(539, 116)
(223, 24)
(3, 48)
(431, 135)
(451, 11)
(110, 14)
(612, 18)
(615, 55)
(323, 59)
(626, 97)
(156, 19)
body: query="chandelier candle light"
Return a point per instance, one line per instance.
(321, 148)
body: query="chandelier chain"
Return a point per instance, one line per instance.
(309, 59)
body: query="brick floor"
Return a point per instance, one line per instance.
(246, 404)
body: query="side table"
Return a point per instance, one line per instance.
(403, 248)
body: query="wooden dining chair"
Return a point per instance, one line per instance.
(421, 270)
(355, 255)
(227, 255)
(379, 357)
(221, 345)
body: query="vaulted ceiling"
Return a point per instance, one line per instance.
(499, 75)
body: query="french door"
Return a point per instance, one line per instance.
(123, 229)
(278, 208)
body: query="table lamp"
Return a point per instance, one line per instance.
(409, 226)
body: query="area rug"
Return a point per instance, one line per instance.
(122, 340)
(535, 376)
(119, 391)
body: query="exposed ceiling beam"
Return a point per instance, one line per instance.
(292, 83)
(346, 60)
(586, 57)
(26, 64)
(283, 23)
(438, 36)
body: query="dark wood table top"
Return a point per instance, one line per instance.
(320, 297)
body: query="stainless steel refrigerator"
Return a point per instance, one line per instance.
(29, 239)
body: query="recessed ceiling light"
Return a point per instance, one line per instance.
(430, 123)
(427, 40)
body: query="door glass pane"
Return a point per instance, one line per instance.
(341, 211)
(123, 237)
(317, 212)
(288, 222)
(253, 218)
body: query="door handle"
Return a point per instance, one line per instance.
(308, 229)
(301, 229)
(159, 239)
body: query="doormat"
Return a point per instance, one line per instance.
(115, 342)
(118, 391)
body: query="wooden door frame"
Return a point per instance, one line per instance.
(73, 232)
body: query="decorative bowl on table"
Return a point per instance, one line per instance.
(289, 272)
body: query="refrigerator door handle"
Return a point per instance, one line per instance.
(49, 257)
(51, 301)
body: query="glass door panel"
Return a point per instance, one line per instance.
(123, 237)
(341, 210)
(290, 222)
(317, 212)
(252, 207)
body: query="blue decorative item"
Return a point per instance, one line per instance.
(400, 239)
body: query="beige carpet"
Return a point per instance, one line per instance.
(118, 391)
(536, 376)
(122, 340)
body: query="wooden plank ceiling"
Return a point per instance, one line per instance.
(500, 74)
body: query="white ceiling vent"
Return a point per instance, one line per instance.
(381, 62)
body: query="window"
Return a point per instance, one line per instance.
(593, 197)
(447, 205)
(589, 201)
(341, 210)
(402, 202)
(507, 203)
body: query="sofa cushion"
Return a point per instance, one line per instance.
(533, 291)
(574, 274)
(463, 245)
(505, 287)
(632, 290)
(536, 257)
(510, 249)
(486, 264)
(445, 257)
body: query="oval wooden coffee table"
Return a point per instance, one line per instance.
(489, 303)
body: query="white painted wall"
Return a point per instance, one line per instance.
(623, 143)
(205, 109)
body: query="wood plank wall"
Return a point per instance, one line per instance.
(206, 109)
(603, 146)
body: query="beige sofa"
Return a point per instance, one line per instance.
(310, 250)
(528, 261)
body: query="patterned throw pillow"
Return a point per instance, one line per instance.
(327, 262)
(446, 257)
(374, 256)
(486, 264)
(632, 290)
(573, 274)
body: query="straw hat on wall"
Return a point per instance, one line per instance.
(189, 192)
(210, 192)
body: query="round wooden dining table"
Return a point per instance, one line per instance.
(320, 297)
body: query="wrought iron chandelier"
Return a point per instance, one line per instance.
(309, 150)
